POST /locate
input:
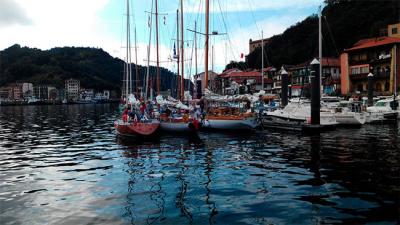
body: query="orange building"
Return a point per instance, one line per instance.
(377, 55)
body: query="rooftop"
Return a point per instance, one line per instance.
(373, 42)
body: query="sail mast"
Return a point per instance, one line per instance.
(320, 48)
(182, 55)
(136, 66)
(195, 46)
(127, 54)
(148, 54)
(158, 59)
(206, 50)
(262, 60)
(178, 50)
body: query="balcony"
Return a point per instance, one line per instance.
(359, 76)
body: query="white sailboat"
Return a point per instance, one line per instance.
(222, 121)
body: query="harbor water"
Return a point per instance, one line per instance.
(64, 164)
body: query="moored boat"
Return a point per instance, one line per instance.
(230, 122)
(350, 113)
(179, 125)
(382, 111)
(142, 128)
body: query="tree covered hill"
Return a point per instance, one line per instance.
(344, 23)
(94, 67)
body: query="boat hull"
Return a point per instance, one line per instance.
(351, 119)
(177, 127)
(231, 124)
(378, 117)
(137, 129)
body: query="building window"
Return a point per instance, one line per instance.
(394, 30)
(355, 70)
(364, 69)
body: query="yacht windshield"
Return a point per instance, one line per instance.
(380, 104)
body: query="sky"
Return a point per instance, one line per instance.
(45, 24)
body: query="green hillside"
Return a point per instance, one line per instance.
(94, 67)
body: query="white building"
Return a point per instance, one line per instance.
(72, 88)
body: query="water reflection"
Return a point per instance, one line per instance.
(64, 164)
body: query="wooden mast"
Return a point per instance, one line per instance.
(195, 46)
(136, 67)
(183, 58)
(178, 52)
(158, 59)
(148, 55)
(127, 54)
(206, 53)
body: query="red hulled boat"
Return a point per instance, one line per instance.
(142, 128)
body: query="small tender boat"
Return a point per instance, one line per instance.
(141, 128)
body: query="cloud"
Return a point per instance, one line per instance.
(11, 13)
(60, 23)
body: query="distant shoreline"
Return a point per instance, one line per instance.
(25, 103)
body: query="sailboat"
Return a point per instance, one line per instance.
(184, 122)
(129, 126)
(226, 114)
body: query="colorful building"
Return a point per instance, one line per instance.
(234, 78)
(377, 55)
(300, 81)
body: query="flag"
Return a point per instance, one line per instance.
(148, 22)
(241, 55)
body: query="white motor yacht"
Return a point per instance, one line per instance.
(381, 111)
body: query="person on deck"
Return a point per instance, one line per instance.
(149, 109)
(125, 115)
(142, 108)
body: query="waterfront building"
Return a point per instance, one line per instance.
(394, 30)
(53, 93)
(376, 55)
(72, 88)
(41, 92)
(106, 94)
(17, 92)
(5, 93)
(86, 94)
(256, 44)
(248, 80)
(300, 81)
(212, 81)
(27, 90)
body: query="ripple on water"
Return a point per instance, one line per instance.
(64, 165)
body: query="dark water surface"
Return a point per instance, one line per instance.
(65, 165)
